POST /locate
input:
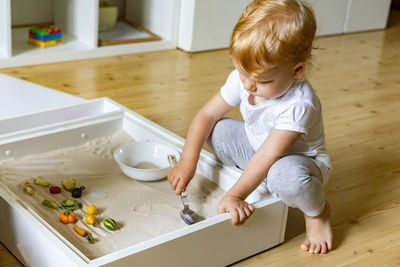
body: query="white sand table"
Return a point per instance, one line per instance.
(143, 210)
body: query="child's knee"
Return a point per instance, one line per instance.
(221, 128)
(285, 178)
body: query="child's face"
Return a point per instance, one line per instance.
(273, 83)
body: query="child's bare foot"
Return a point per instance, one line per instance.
(318, 232)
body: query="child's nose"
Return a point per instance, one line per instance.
(249, 85)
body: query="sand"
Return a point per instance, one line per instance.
(143, 210)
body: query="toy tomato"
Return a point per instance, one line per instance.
(54, 189)
(67, 217)
(91, 209)
(90, 219)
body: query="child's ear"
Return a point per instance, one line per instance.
(299, 70)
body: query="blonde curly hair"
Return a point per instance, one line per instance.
(271, 33)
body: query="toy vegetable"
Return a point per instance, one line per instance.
(91, 209)
(68, 184)
(42, 182)
(83, 233)
(90, 219)
(70, 204)
(110, 224)
(67, 217)
(49, 203)
(27, 187)
(77, 192)
(54, 189)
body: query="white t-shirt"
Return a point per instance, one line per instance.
(298, 110)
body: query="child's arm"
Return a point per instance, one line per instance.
(200, 128)
(275, 146)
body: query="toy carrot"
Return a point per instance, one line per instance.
(82, 232)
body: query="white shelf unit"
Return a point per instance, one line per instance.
(79, 22)
(5, 30)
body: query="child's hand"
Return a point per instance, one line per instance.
(180, 175)
(239, 209)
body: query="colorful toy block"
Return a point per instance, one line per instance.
(45, 36)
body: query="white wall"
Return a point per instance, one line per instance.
(25, 12)
(120, 4)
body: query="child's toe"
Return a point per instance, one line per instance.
(329, 245)
(324, 248)
(306, 245)
(317, 249)
(312, 248)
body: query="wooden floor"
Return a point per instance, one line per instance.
(357, 77)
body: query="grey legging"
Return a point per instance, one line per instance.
(295, 179)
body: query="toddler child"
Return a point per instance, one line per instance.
(281, 143)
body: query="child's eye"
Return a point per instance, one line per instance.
(264, 82)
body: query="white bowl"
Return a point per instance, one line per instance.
(145, 161)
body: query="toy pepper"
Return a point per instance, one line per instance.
(67, 217)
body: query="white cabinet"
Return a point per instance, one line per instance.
(206, 24)
(330, 15)
(366, 15)
(78, 20)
